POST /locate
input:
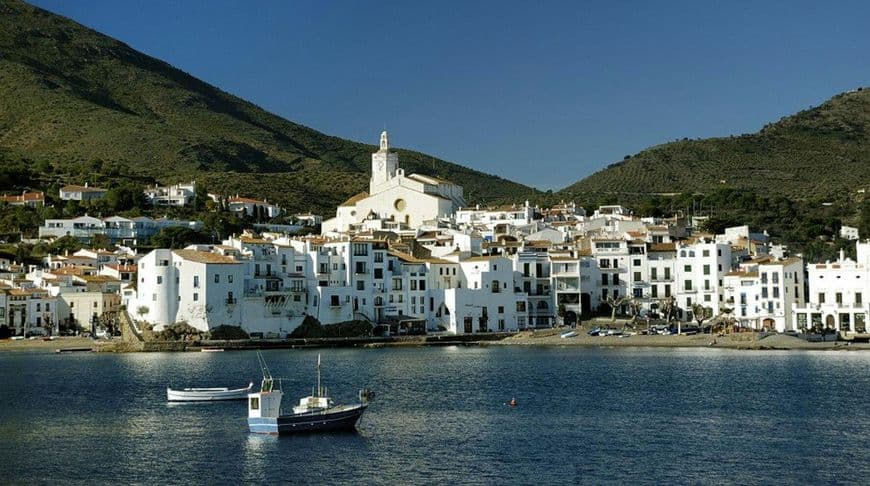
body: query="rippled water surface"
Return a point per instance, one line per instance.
(584, 415)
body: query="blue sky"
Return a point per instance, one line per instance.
(543, 93)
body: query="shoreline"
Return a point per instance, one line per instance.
(548, 337)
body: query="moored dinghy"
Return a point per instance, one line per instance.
(315, 413)
(207, 394)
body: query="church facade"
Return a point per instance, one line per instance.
(406, 201)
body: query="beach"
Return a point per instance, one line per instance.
(743, 340)
(65, 342)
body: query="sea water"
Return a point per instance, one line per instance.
(441, 415)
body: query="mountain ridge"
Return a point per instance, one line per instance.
(818, 152)
(91, 108)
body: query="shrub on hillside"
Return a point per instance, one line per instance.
(228, 333)
(180, 331)
(311, 328)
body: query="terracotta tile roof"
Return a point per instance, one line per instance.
(787, 261)
(247, 200)
(254, 241)
(97, 278)
(23, 197)
(355, 199)
(484, 258)
(662, 247)
(123, 268)
(74, 188)
(205, 257)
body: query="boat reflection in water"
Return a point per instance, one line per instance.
(315, 413)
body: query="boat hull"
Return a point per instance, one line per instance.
(341, 418)
(206, 394)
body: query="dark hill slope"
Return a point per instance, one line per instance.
(76, 105)
(822, 152)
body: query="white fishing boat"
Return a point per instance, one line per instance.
(315, 413)
(207, 394)
(568, 334)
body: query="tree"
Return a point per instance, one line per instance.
(615, 302)
(175, 237)
(65, 244)
(125, 197)
(100, 241)
(701, 314)
(668, 306)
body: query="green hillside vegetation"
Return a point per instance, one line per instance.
(800, 178)
(77, 106)
(821, 152)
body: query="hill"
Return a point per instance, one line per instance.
(77, 106)
(822, 152)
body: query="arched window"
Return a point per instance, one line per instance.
(542, 305)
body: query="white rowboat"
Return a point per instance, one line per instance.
(207, 394)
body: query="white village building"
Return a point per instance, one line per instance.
(407, 200)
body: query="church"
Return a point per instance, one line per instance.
(405, 201)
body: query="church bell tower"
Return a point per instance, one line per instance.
(384, 164)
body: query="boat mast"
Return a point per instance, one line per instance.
(318, 375)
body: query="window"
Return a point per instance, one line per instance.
(360, 285)
(775, 277)
(95, 305)
(379, 256)
(858, 298)
(636, 262)
(195, 296)
(655, 291)
(501, 309)
(217, 278)
(229, 278)
(776, 292)
(255, 403)
(196, 281)
(413, 284)
(637, 276)
(838, 297)
(667, 290)
(604, 279)
(667, 273)
(763, 292)
(38, 307)
(821, 297)
(706, 269)
(422, 285)
(360, 249)
(687, 268)
(333, 301)
(707, 298)
(615, 279)
(652, 273)
(159, 280)
(705, 253)
(687, 285)
(379, 273)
